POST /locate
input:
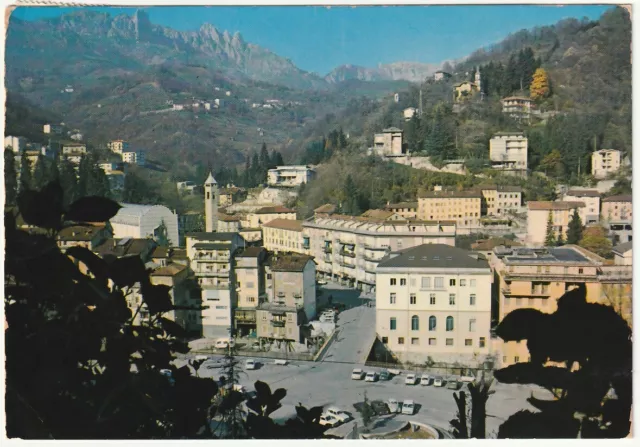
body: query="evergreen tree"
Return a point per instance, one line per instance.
(84, 173)
(40, 177)
(25, 181)
(550, 238)
(246, 175)
(574, 232)
(351, 204)
(342, 139)
(10, 177)
(264, 162)
(255, 171)
(54, 171)
(560, 242)
(278, 159)
(511, 75)
(68, 181)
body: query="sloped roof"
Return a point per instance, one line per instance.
(274, 210)
(327, 208)
(546, 205)
(401, 205)
(378, 214)
(210, 179)
(434, 256)
(623, 248)
(622, 198)
(125, 247)
(251, 252)
(131, 213)
(490, 244)
(392, 129)
(290, 263)
(169, 270)
(160, 252)
(79, 232)
(284, 224)
(583, 193)
(228, 217)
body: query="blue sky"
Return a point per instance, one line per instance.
(319, 39)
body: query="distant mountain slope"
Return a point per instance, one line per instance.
(397, 71)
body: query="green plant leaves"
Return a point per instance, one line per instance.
(92, 209)
(42, 208)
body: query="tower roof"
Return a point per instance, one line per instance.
(210, 179)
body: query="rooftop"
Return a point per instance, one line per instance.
(554, 205)
(251, 252)
(490, 244)
(378, 214)
(169, 270)
(327, 208)
(391, 129)
(274, 210)
(583, 193)
(125, 247)
(228, 217)
(450, 194)
(401, 205)
(79, 232)
(499, 188)
(504, 134)
(623, 248)
(276, 307)
(433, 256)
(516, 98)
(622, 198)
(160, 252)
(290, 263)
(130, 213)
(285, 224)
(547, 255)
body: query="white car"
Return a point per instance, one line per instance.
(337, 413)
(438, 381)
(411, 379)
(425, 379)
(467, 379)
(408, 407)
(357, 374)
(328, 420)
(371, 377)
(394, 406)
(250, 364)
(224, 343)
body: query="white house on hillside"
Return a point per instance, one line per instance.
(141, 221)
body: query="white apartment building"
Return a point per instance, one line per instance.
(283, 235)
(434, 301)
(118, 146)
(16, 144)
(508, 152)
(590, 213)
(290, 176)
(52, 128)
(134, 157)
(605, 162)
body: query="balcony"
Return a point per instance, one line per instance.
(278, 323)
(208, 272)
(248, 317)
(506, 291)
(370, 259)
(616, 273)
(371, 247)
(349, 254)
(549, 277)
(217, 286)
(327, 249)
(346, 264)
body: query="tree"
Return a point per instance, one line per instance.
(560, 240)
(25, 180)
(591, 376)
(161, 237)
(367, 413)
(40, 173)
(552, 164)
(10, 177)
(621, 187)
(351, 195)
(479, 393)
(574, 231)
(594, 238)
(540, 85)
(68, 181)
(550, 237)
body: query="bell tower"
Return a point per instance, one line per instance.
(211, 198)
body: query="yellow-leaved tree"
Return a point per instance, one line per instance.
(540, 84)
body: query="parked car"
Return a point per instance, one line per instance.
(322, 282)
(411, 379)
(453, 384)
(255, 346)
(250, 364)
(467, 379)
(224, 343)
(357, 374)
(438, 381)
(337, 413)
(328, 420)
(385, 375)
(371, 377)
(408, 407)
(394, 406)
(425, 380)
(379, 408)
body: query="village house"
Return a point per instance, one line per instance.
(500, 200)
(538, 216)
(407, 210)
(617, 208)
(605, 162)
(590, 213)
(88, 235)
(250, 287)
(389, 143)
(268, 213)
(284, 235)
(228, 223)
(74, 152)
(462, 207)
(508, 152)
(517, 107)
(290, 176)
(134, 157)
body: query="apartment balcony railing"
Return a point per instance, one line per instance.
(216, 286)
(327, 249)
(349, 254)
(371, 247)
(617, 273)
(207, 272)
(346, 264)
(550, 277)
(532, 294)
(278, 323)
(370, 259)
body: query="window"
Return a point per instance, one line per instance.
(415, 341)
(415, 323)
(472, 325)
(268, 275)
(482, 342)
(392, 281)
(468, 342)
(385, 340)
(251, 284)
(403, 282)
(432, 298)
(432, 323)
(400, 340)
(449, 342)
(432, 342)
(580, 271)
(463, 283)
(221, 307)
(392, 298)
(449, 324)
(412, 298)
(392, 323)
(452, 299)
(516, 359)
(426, 282)
(472, 283)
(452, 282)
(439, 282)
(472, 299)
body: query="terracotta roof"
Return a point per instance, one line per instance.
(500, 188)
(345, 217)
(179, 253)
(169, 270)
(284, 224)
(400, 205)
(290, 263)
(125, 247)
(554, 205)
(521, 98)
(79, 232)
(327, 208)
(623, 198)
(251, 252)
(583, 193)
(378, 214)
(228, 217)
(490, 244)
(450, 194)
(274, 210)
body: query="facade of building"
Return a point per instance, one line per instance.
(500, 200)
(407, 210)
(389, 143)
(118, 146)
(228, 223)
(88, 236)
(290, 176)
(266, 214)
(623, 254)
(620, 231)
(434, 301)
(52, 128)
(590, 213)
(16, 144)
(464, 90)
(284, 235)
(74, 152)
(211, 200)
(616, 208)
(134, 157)
(538, 216)
(605, 162)
(141, 221)
(462, 207)
(536, 278)
(230, 195)
(409, 113)
(508, 152)
(517, 107)
(183, 293)
(250, 287)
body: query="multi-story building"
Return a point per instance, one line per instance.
(407, 210)
(462, 207)
(348, 249)
(616, 208)
(141, 221)
(517, 107)
(389, 143)
(16, 144)
(134, 157)
(409, 113)
(500, 200)
(536, 278)
(290, 176)
(74, 152)
(52, 128)
(228, 223)
(86, 235)
(605, 162)
(230, 195)
(508, 152)
(620, 231)
(434, 301)
(268, 213)
(118, 146)
(538, 217)
(590, 213)
(250, 288)
(284, 235)
(291, 294)
(211, 257)
(110, 166)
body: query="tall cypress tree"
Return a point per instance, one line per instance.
(550, 238)
(25, 181)
(560, 242)
(40, 176)
(264, 163)
(84, 173)
(10, 177)
(574, 232)
(68, 181)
